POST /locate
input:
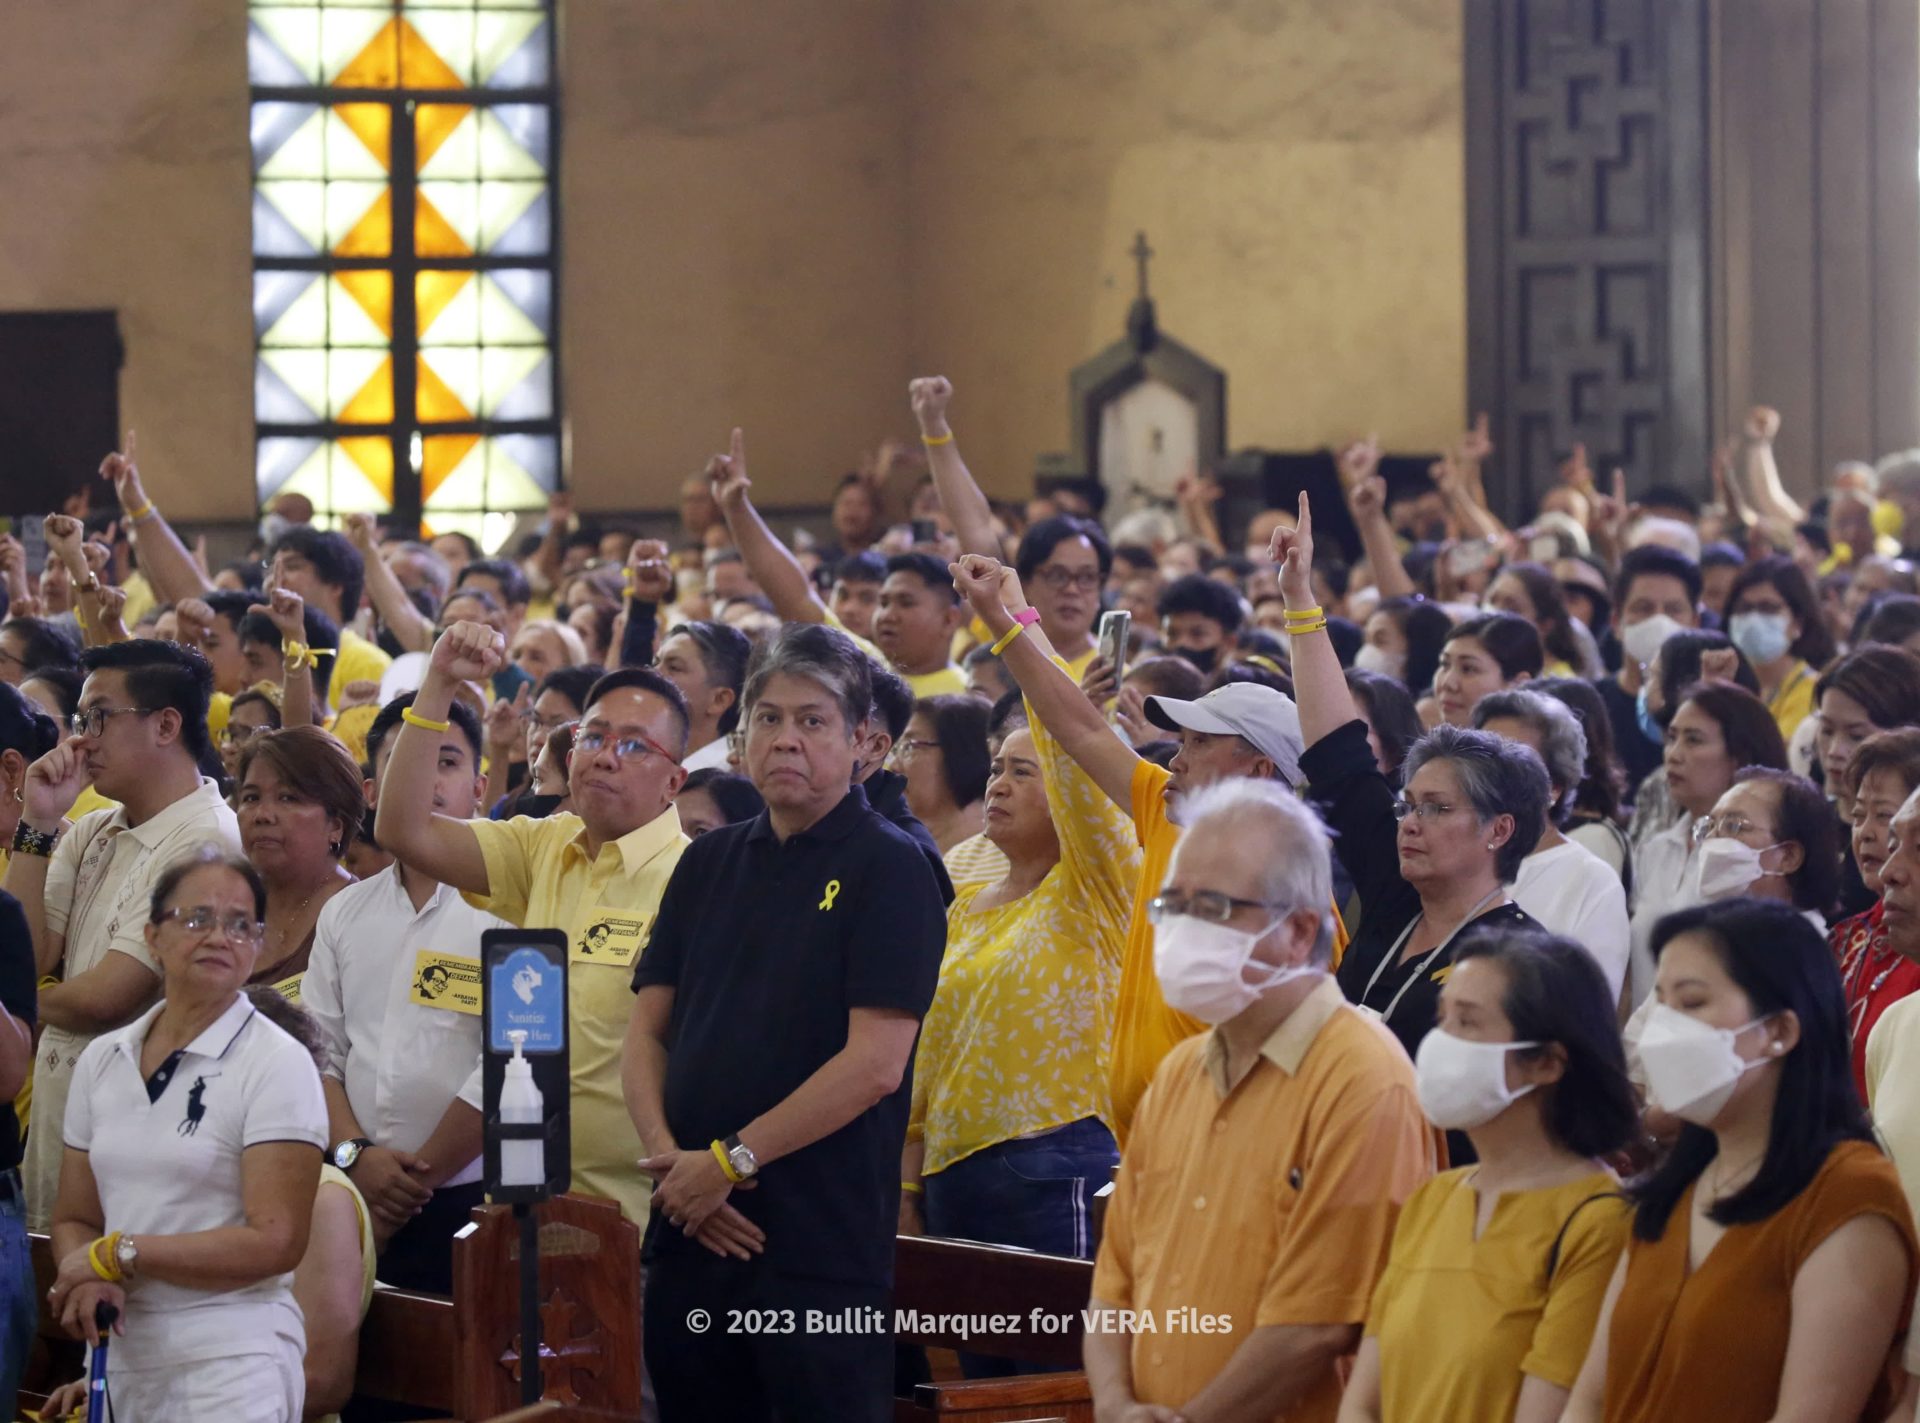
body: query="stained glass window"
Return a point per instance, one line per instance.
(403, 253)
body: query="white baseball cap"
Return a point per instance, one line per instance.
(1266, 719)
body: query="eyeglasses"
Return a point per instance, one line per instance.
(1203, 904)
(93, 721)
(905, 748)
(1061, 579)
(1426, 811)
(1730, 826)
(240, 928)
(623, 747)
(232, 735)
(545, 723)
(737, 745)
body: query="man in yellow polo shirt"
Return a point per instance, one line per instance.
(597, 874)
(1271, 1156)
(1241, 729)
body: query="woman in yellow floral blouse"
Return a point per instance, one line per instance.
(1011, 1130)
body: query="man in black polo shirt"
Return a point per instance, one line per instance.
(767, 1067)
(19, 1308)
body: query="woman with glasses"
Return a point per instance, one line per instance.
(554, 703)
(1010, 1131)
(1425, 864)
(944, 757)
(192, 1157)
(1716, 728)
(253, 711)
(299, 802)
(1874, 970)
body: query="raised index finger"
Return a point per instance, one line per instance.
(1304, 526)
(737, 450)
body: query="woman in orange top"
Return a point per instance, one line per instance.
(1772, 1262)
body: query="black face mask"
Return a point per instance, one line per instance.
(1205, 658)
(538, 807)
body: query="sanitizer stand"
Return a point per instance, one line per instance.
(524, 1003)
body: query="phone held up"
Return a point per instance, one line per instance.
(1112, 640)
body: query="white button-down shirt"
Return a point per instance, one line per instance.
(402, 1064)
(98, 887)
(172, 1166)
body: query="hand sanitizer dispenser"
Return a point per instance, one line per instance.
(522, 1159)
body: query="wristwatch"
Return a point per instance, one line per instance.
(126, 1256)
(347, 1152)
(739, 1156)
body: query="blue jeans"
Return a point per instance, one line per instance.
(1032, 1192)
(19, 1310)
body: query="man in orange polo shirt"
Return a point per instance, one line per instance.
(1239, 731)
(1270, 1156)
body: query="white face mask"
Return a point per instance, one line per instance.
(1691, 1067)
(1202, 968)
(1374, 658)
(1764, 637)
(1463, 1084)
(1724, 867)
(1642, 640)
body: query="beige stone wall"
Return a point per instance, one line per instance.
(775, 212)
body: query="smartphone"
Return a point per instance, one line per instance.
(1469, 557)
(1112, 640)
(925, 531)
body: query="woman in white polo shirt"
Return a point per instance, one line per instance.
(193, 1141)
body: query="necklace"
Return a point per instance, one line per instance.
(280, 937)
(1713, 1191)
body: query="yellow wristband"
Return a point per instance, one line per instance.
(136, 515)
(913, 1188)
(1006, 638)
(1304, 615)
(720, 1155)
(945, 439)
(412, 718)
(1302, 629)
(106, 1263)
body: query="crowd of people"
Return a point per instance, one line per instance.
(1482, 962)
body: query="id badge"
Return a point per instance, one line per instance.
(445, 981)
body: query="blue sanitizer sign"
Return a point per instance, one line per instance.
(528, 994)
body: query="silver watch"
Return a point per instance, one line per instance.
(740, 1157)
(126, 1256)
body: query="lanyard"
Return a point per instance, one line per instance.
(1393, 954)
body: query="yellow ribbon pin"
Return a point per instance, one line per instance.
(297, 654)
(833, 891)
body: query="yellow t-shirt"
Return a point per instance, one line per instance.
(539, 876)
(976, 860)
(1461, 1321)
(1145, 1029)
(1793, 703)
(140, 599)
(1017, 1037)
(357, 661)
(947, 681)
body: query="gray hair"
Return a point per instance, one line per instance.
(1498, 777)
(1899, 473)
(1563, 741)
(820, 654)
(1297, 866)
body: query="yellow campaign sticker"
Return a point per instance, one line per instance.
(289, 988)
(445, 981)
(611, 935)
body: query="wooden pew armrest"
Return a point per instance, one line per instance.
(1025, 1391)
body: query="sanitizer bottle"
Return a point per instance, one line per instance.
(523, 1160)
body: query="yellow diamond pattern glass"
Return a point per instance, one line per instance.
(403, 218)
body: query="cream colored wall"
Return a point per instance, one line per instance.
(1297, 164)
(776, 212)
(124, 184)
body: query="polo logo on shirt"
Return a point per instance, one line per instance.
(196, 1107)
(833, 893)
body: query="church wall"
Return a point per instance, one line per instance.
(777, 212)
(1297, 165)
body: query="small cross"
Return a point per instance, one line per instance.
(1142, 254)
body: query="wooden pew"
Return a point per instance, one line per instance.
(959, 1278)
(461, 1355)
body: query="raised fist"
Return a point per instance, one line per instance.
(648, 572)
(193, 621)
(1763, 423)
(65, 534)
(929, 396)
(1368, 498)
(1477, 443)
(982, 581)
(469, 652)
(1358, 461)
(125, 474)
(363, 532)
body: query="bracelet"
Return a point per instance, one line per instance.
(945, 439)
(1304, 615)
(720, 1155)
(1006, 638)
(1303, 629)
(136, 515)
(413, 718)
(106, 1263)
(913, 1188)
(28, 841)
(295, 655)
